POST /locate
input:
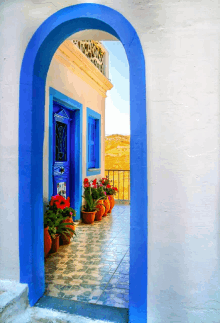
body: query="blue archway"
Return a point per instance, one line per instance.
(37, 58)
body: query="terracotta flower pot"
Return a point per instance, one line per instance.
(66, 239)
(112, 202)
(88, 217)
(107, 206)
(47, 242)
(55, 243)
(100, 210)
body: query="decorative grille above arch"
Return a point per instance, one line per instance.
(94, 51)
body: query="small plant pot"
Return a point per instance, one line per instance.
(112, 202)
(47, 242)
(107, 206)
(55, 243)
(65, 239)
(100, 210)
(88, 217)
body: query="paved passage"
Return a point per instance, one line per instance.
(94, 268)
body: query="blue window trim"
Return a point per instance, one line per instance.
(95, 115)
(71, 104)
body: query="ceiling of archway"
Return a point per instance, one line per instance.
(92, 34)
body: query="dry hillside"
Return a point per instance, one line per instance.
(117, 157)
(117, 152)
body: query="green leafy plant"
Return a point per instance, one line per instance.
(57, 211)
(91, 196)
(110, 190)
(105, 183)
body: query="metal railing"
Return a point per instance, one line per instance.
(120, 179)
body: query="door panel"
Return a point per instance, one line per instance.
(61, 153)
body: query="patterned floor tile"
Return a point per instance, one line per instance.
(94, 267)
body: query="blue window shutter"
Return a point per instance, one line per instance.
(91, 143)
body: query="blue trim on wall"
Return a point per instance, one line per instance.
(35, 65)
(73, 105)
(96, 116)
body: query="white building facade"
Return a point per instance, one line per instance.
(178, 263)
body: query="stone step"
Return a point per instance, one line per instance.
(42, 315)
(14, 308)
(83, 312)
(13, 300)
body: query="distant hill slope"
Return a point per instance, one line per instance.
(117, 152)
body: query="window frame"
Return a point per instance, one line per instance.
(97, 117)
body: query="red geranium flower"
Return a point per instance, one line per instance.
(54, 199)
(86, 184)
(94, 182)
(86, 180)
(108, 186)
(68, 202)
(60, 202)
(115, 188)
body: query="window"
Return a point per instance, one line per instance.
(93, 143)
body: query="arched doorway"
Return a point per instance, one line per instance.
(34, 69)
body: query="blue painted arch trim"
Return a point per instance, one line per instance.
(96, 116)
(35, 64)
(73, 105)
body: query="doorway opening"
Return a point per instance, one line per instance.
(94, 267)
(34, 69)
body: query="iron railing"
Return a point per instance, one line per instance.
(121, 180)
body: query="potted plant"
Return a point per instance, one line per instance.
(47, 240)
(57, 212)
(98, 194)
(68, 214)
(110, 192)
(89, 208)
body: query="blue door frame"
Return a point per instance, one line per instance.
(35, 65)
(75, 109)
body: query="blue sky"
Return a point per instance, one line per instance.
(117, 102)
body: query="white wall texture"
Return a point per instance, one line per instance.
(63, 80)
(180, 40)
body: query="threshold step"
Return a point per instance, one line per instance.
(82, 312)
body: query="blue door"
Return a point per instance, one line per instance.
(61, 151)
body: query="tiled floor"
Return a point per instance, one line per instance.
(94, 268)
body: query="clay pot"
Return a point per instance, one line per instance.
(107, 206)
(112, 202)
(88, 217)
(47, 242)
(55, 243)
(100, 210)
(66, 239)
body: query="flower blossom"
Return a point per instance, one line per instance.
(60, 202)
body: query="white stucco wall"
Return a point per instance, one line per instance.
(180, 40)
(63, 80)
